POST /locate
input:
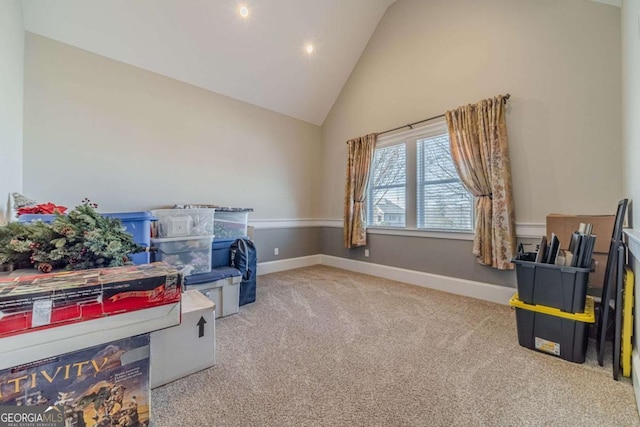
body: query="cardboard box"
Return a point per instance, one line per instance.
(41, 343)
(188, 348)
(564, 226)
(48, 300)
(101, 385)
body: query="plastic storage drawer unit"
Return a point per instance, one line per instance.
(552, 285)
(190, 255)
(231, 224)
(554, 331)
(184, 222)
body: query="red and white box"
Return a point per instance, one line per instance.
(37, 302)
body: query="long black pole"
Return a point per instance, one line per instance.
(410, 125)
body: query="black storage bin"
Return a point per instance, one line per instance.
(553, 331)
(552, 285)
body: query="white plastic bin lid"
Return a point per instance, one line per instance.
(194, 300)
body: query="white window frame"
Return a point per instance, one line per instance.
(410, 138)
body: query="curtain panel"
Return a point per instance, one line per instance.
(360, 157)
(480, 152)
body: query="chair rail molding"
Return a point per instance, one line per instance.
(531, 230)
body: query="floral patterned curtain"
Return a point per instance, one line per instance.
(480, 152)
(360, 156)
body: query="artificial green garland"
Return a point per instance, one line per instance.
(80, 240)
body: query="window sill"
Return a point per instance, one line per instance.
(417, 232)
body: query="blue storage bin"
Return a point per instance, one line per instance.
(138, 224)
(221, 253)
(36, 217)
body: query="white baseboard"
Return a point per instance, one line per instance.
(469, 288)
(287, 264)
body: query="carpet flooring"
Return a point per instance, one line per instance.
(327, 347)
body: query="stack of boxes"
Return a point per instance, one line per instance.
(92, 327)
(184, 238)
(197, 240)
(553, 311)
(222, 285)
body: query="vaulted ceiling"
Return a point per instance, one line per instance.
(260, 59)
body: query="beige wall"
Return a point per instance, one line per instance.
(559, 60)
(133, 140)
(631, 104)
(11, 85)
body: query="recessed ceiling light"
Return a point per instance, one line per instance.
(244, 12)
(309, 48)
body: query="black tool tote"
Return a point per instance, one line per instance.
(244, 257)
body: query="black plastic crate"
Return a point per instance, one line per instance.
(552, 285)
(553, 331)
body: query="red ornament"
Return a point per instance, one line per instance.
(43, 208)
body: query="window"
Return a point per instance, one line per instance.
(414, 183)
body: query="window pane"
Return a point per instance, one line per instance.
(443, 203)
(437, 159)
(386, 198)
(388, 207)
(447, 206)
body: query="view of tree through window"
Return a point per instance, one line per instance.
(386, 199)
(443, 203)
(440, 200)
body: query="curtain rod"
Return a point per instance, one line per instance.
(410, 125)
